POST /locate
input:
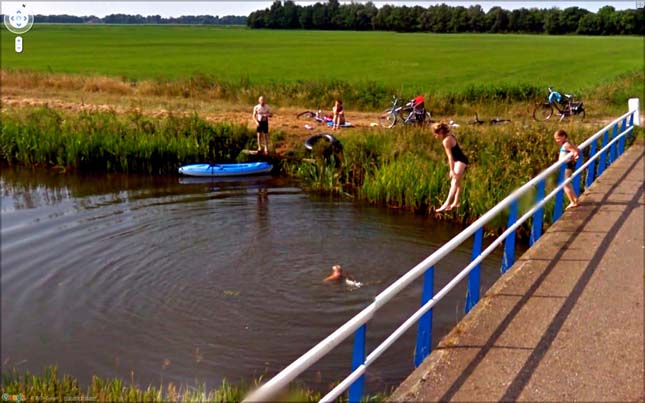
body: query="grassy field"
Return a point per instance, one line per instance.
(462, 73)
(176, 66)
(428, 63)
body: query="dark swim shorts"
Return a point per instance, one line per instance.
(263, 126)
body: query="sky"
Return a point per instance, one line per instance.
(222, 8)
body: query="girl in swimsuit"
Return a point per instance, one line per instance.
(457, 163)
(339, 114)
(566, 147)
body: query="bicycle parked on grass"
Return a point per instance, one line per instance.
(315, 116)
(407, 114)
(564, 105)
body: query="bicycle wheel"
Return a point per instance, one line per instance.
(542, 111)
(578, 113)
(387, 119)
(306, 115)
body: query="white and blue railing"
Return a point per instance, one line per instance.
(605, 146)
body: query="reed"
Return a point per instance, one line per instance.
(108, 142)
(407, 169)
(51, 387)
(403, 168)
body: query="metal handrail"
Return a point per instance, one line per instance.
(282, 379)
(334, 393)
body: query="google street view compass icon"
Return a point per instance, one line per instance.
(18, 20)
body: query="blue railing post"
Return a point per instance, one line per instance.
(602, 161)
(358, 359)
(424, 332)
(559, 197)
(631, 124)
(612, 148)
(472, 294)
(576, 180)
(538, 216)
(509, 243)
(591, 168)
(621, 142)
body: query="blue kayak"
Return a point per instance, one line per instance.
(251, 168)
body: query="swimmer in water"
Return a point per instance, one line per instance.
(338, 275)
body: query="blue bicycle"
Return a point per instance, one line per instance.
(565, 106)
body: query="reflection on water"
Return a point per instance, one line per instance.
(182, 280)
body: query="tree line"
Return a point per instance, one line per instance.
(332, 15)
(139, 19)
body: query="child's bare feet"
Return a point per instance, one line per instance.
(572, 205)
(443, 208)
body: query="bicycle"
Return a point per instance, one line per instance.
(315, 116)
(404, 113)
(565, 106)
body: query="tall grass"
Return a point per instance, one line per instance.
(402, 168)
(51, 387)
(602, 98)
(612, 95)
(407, 168)
(106, 142)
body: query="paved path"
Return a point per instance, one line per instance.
(566, 322)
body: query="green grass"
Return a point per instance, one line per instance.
(51, 387)
(367, 64)
(404, 168)
(407, 169)
(108, 142)
(462, 73)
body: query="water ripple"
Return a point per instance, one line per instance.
(200, 280)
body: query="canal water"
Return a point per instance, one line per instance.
(192, 281)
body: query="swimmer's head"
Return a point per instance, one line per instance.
(337, 269)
